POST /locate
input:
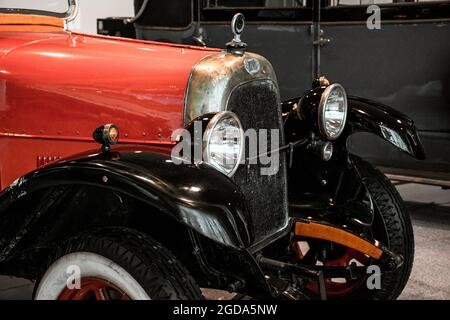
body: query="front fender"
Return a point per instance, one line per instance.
(197, 196)
(363, 116)
(369, 116)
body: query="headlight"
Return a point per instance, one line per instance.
(333, 111)
(223, 142)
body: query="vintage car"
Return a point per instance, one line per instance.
(101, 198)
(410, 48)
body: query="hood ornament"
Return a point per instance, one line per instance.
(236, 45)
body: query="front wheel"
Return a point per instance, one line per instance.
(115, 264)
(392, 227)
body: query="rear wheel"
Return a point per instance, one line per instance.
(115, 264)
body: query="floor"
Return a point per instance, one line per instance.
(430, 213)
(429, 208)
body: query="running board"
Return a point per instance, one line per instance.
(419, 180)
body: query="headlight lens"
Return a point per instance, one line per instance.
(333, 111)
(223, 142)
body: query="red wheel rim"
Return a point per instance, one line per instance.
(337, 289)
(94, 289)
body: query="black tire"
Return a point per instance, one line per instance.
(156, 269)
(393, 226)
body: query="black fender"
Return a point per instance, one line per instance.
(197, 196)
(300, 115)
(343, 181)
(394, 127)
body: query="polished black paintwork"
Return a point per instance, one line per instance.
(197, 196)
(363, 116)
(206, 202)
(336, 186)
(344, 200)
(368, 116)
(330, 189)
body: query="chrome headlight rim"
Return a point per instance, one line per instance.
(215, 120)
(321, 111)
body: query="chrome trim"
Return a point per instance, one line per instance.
(324, 150)
(68, 16)
(214, 78)
(72, 13)
(73, 10)
(207, 137)
(321, 111)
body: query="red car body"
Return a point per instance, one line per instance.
(74, 83)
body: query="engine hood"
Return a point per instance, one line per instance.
(75, 82)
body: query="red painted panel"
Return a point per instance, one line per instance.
(56, 88)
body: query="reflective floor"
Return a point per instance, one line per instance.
(429, 208)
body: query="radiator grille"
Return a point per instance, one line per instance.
(257, 105)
